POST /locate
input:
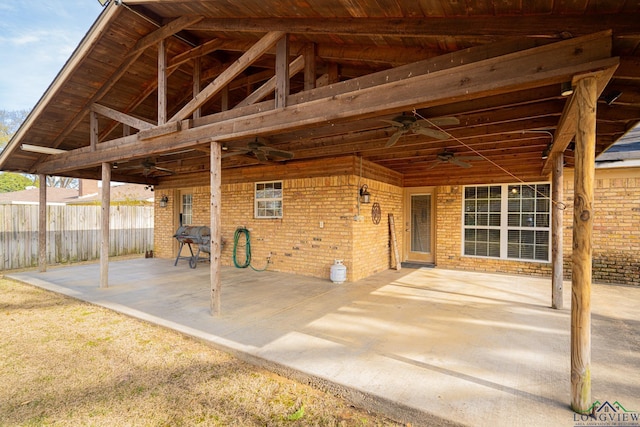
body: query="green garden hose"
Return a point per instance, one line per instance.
(241, 231)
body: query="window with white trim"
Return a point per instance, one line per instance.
(508, 221)
(187, 209)
(268, 199)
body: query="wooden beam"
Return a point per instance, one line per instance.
(165, 31)
(122, 117)
(557, 231)
(162, 82)
(105, 209)
(543, 26)
(282, 72)
(583, 212)
(270, 85)
(216, 229)
(42, 224)
(197, 52)
(249, 57)
(359, 99)
(566, 129)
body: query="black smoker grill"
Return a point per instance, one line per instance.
(198, 235)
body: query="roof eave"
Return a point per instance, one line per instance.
(94, 33)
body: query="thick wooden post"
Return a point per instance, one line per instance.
(216, 232)
(282, 72)
(162, 82)
(586, 92)
(557, 212)
(42, 224)
(106, 204)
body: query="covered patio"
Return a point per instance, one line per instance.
(427, 346)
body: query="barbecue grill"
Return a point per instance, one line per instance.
(187, 235)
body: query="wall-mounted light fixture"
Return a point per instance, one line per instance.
(164, 201)
(364, 194)
(566, 89)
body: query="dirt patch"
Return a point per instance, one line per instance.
(66, 362)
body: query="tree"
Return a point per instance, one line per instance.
(10, 121)
(14, 182)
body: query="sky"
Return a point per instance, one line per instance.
(36, 39)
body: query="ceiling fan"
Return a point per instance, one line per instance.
(148, 167)
(406, 123)
(450, 157)
(261, 151)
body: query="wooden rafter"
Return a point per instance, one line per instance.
(165, 31)
(349, 100)
(248, 58)
(122, 117)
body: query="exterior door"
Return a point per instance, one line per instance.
(419, 226)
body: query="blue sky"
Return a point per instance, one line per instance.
(36, 39)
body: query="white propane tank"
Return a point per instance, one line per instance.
(338, 272)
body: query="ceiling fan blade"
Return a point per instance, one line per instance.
(281, 153)
(164, 170)
(440, 121)
(468, 158)
(231, 153)
(393, 123)
(434, 164)
(261, 155)
(431, 132)
(394, 138)
(458, 162)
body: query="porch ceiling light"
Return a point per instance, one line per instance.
(42, 150)
(566, 89)
(365, 196)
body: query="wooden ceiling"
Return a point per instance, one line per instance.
(496, 67)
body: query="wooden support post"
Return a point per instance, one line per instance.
(216, 231)
(196, 85)
(586, 92)
(42, 224)
(224, 99)
(162, 82)
(93, 130)
(106, 204)
(309, 66)
(557, 212)
(282, 72)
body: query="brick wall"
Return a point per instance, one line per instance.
(616, 226)
(318, 225)
(616, 234)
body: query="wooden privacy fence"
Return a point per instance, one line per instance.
(73, 233)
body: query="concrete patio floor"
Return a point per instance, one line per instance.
(425, 346)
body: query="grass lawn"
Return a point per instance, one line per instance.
(66, 362)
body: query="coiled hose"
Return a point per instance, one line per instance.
(240, 232)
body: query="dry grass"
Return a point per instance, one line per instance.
(65, 362)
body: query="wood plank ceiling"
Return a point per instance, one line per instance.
(506, 128)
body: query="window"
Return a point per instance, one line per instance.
(268, 200)
(187, 209)
(507, 221)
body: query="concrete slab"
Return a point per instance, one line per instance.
(427, 346)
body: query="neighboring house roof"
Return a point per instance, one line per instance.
(119, 193)
(623, 154)
(31, 196)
